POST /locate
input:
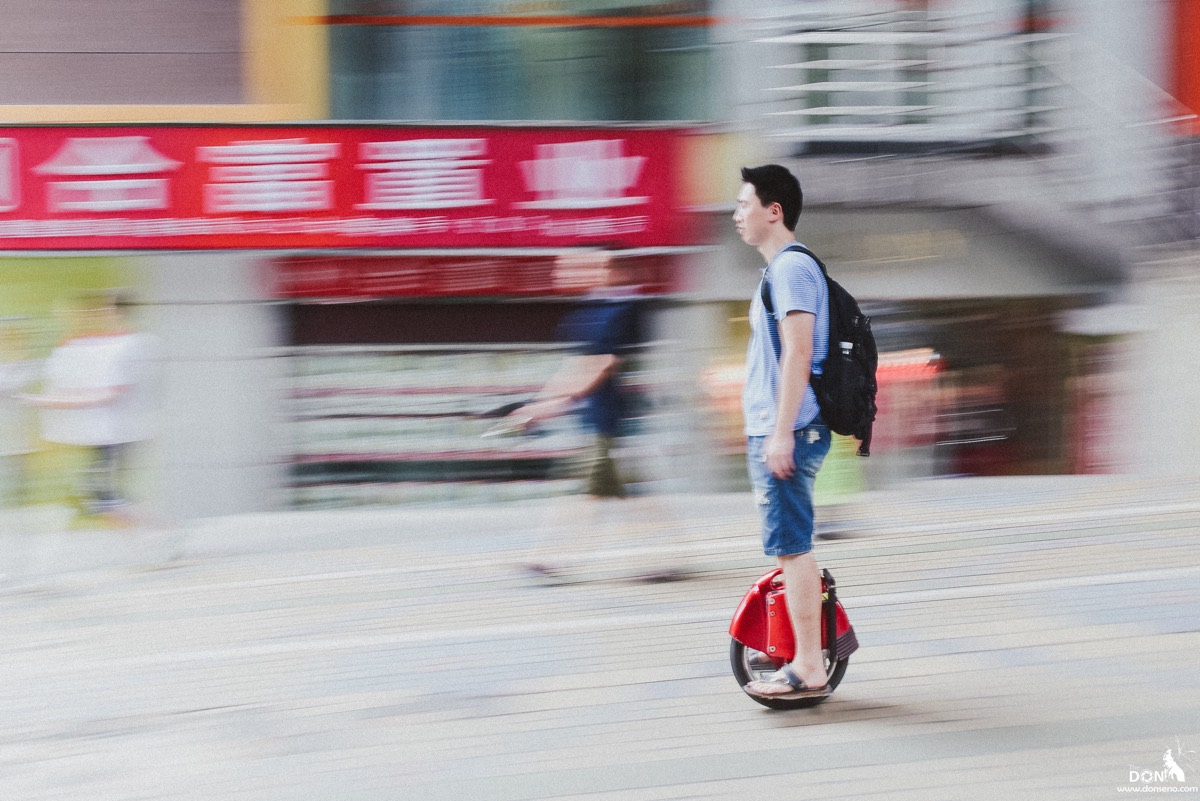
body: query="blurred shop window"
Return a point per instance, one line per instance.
(976, 425)
(1095, 405)
(906, 423)
(507, 60)
(907, 400)
(722, 384)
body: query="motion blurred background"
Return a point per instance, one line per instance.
(348, 225)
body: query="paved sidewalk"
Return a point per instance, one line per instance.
(933, 504)
(705, 531)
(1021, 639)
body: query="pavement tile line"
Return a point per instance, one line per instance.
(1069, 514)
(736, 548)
(957, 498)
(714, 616)
(1022, 587)
(710, 523)
(740, 546)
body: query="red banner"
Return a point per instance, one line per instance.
(199, 187)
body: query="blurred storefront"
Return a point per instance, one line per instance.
(223, 225)
(396, 363)
(396, 281)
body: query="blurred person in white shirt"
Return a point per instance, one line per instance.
(95, 394)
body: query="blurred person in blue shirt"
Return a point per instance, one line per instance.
(606, 328)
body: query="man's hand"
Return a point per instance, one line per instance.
(544, 409)
(525, 418)
(780, 451)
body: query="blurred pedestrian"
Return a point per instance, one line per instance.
(95, 395)
(18, 372)
(786, 439)
(607, 331)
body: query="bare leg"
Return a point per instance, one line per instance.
(566, 531)
(802, 583)
(573, 527)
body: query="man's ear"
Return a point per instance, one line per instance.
(775, 210)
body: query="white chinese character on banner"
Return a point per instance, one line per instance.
(424, 173)
(107, 173)
(10, 175)
(582, 175)
(270, 175)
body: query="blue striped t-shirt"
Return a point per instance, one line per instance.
(797, 284)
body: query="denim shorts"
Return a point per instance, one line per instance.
(786, 505)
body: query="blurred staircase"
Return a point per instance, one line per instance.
(974, 103)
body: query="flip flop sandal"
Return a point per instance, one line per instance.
(786, 676)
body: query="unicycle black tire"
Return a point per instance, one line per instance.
(739, 661)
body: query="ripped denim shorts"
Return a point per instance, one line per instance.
(786, 505)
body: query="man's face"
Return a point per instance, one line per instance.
(753, 219)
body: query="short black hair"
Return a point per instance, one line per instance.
(776, 184)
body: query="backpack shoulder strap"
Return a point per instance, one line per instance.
(764, 286)
(764, 291)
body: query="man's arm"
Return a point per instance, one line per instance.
(578, 377)
(795, 364)
(76, 399)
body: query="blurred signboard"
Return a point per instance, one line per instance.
(205, 187)
(360, 276)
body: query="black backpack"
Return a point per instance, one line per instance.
(846, 388)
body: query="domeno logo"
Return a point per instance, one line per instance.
(1171, 777)
(1171, 771)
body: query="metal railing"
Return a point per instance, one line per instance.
(957, 85)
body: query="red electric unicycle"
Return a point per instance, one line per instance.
(763, 641)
